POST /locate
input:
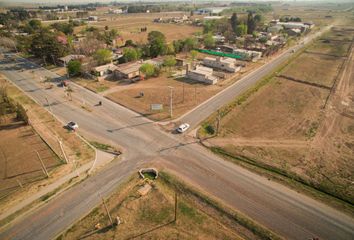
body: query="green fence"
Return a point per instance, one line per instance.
(221, 54)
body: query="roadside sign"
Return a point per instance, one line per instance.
(156, 106)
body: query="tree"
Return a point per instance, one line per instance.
(45, 45)
(209, 41)
(148, 69)
(193, 54)
(157, 43)
(67, 28)
(169, 61)
(129, 43)
(103, 56)
(74, 67)
(89, 46)
(234, 22)
(190, 44)
(34, 25)
(109, 36)
(170, 49)
(251, 24)
(241, 30)
(131, 54)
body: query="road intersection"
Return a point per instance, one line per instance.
(282, 210)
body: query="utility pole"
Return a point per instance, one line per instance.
(105, 206)
(171, 100)
(50, 108)
(183, 91)
(42, 164)
(62, 150)
(175, 220)
(218, 118)
(195, 95)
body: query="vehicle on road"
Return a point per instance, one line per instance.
(182, 128)
(72, 125)
(64, 83)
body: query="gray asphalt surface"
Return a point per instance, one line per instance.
(284, 211)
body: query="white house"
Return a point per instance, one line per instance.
(104, 69)
(202, 74)
(225, 64)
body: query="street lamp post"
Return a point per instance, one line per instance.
(171, 100)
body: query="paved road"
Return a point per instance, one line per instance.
(282, 210)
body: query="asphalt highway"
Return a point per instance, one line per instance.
(282, 210)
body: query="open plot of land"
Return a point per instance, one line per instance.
(284, 127)
(313, 68)
(129, 26)
(282, 110)
(330, 48)
(18, 159)
(156, 90)
(21, 142)
(152, 217)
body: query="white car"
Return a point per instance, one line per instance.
(183, 127)
(72, 125)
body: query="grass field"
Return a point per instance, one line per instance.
(129, 26)
(152, 216)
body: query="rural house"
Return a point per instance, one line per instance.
(104, 69)
(225, 64)
(202, 74)
(128, 70)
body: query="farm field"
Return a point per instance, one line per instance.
(129, 26)
(151, 216)
(303, 131)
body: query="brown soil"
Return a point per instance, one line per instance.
(151, 217)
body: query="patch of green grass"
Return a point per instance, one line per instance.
(311, 132)
(149, 175)
(156, 216)
(190, 212)
(102, 88)
(101, 146)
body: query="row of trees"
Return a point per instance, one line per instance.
(235, 26)
(157, 46)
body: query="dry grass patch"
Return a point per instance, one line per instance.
(313, 68)
(281, 110)
(152, 217)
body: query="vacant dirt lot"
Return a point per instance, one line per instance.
(298, 103)
(286, 125)
(330, 48)
(129, 26)
(151, 217)
(18, 159)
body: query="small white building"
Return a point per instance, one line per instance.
(202, 74)
(274, 29)
(92, 18)
(225, 64)
(293, 25)
(253, 56)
